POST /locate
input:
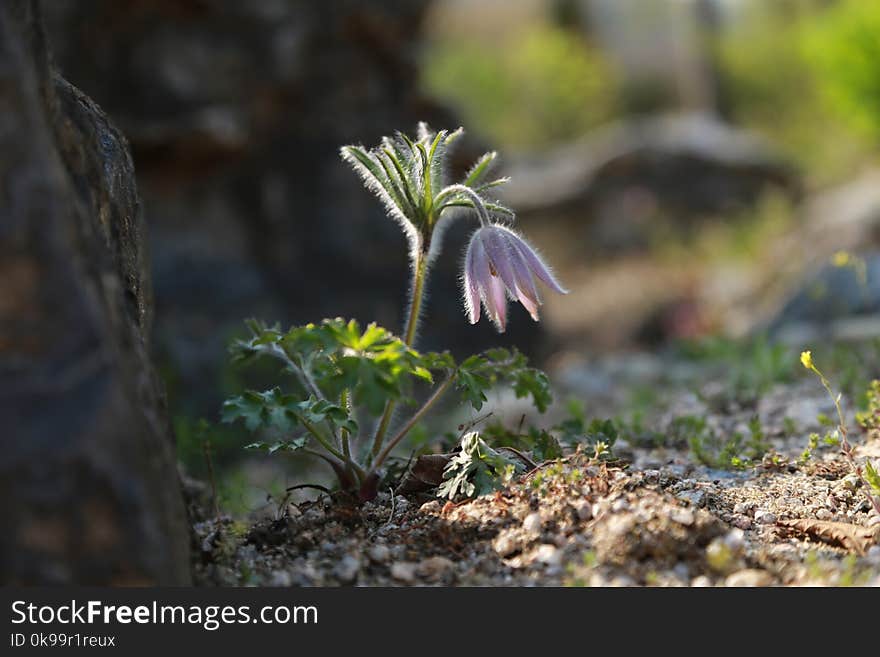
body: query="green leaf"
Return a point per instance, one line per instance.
(372, 364)
(478, 374)
(283, 445)
(480, 168)
(872, 477)
(274, 410)
(477, 469)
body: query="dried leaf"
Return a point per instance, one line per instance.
(841, 534)
(426, 473)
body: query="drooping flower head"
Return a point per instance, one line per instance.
(501, 264)
(409, 176)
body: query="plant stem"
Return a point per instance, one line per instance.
(415, 307)
(305, 379)
(845, 447)
(405, 429)
(420, 270)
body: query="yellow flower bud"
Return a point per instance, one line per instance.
(807, 360)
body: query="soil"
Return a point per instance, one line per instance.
(651, 516)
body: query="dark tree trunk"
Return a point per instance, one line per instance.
(89, 490)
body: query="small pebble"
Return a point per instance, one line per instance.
(404, 571)
(695, 496)
(764, 517)
(824, 514)
(505, 545)
(749, 577)
(682, 516)
(379, 553)
(701, 582)
(347, 569)
(741, 522)
(549, 554)
(584, 510)
(434, 567)
(619, 505)
(280, 578)
(736, 541)
(430, 507)
(314, 513)
(744, 507)
(532, 523)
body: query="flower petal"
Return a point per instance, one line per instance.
(499, 251)
(534, 261)
(496, 303)
(526, 291)
(491, 286)
(474, 262)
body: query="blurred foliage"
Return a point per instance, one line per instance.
(539, 85)
(843, 46)
(791, 66)
(752, 366)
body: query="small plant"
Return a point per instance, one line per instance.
(477, 469)
(348, 380)
(731, 453)
(867, 475)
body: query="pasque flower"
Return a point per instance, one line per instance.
(500, 264)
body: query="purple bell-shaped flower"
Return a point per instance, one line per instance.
(499, 264)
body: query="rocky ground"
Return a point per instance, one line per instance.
(653, 515)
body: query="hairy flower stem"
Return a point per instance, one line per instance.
(420, 273)
(405, 429)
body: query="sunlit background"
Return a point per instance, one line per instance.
(700, 172)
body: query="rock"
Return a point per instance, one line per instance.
(721, 557)
(314, 514)
(824, 514)
(379, 553)
(584, 510)
(873, 555)
(88, 451)
(347, 569)
(697, 497)
(549, 554)
(744, 508)
(682, 516)
(736, 541)
(592, 176)
(741, 522)
(505, 545)
(532, 523)
(404, 571)
(434, 567)
(701, 582)
(749, 577)
(763, 517)
(432, 507)
(280, 578)
(619, 505)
